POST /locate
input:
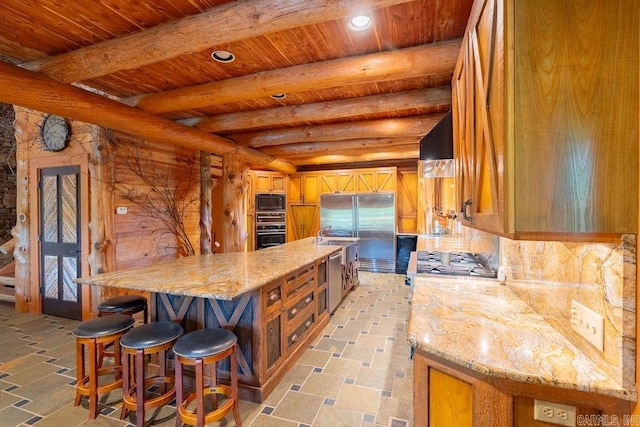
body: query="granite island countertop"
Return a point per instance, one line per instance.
(218, 276)
(484, 326)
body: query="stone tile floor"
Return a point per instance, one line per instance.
(358, 372)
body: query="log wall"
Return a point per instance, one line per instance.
(7, 175)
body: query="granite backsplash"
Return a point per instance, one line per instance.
(600, 276)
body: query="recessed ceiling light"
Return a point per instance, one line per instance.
(223, 56)
(360, 22)
(279, 95)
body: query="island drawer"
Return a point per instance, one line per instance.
(299, 306)
(272, 297)
(296, 335)
(302, 278)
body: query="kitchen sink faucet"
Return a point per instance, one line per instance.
(320, 235)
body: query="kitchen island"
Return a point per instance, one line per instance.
(482, 355)
(274, 300)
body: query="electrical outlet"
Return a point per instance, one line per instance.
(588, 323)
(555, 413)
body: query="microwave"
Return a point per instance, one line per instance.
(270, 202)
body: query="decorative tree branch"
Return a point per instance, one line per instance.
(170, 191)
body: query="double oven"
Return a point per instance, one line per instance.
(270, 220)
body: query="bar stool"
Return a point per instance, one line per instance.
(200, 348)
(149, 339)
(93, 334)
(124, 304)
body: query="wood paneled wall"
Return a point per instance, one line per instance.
(145, 173)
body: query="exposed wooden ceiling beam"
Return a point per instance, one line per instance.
(218, 26)
(322, 111)
(33, 90)
(355, 145)
(407, 63)
(417, 126)
(350, 158)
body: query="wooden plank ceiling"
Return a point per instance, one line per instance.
(351, 97)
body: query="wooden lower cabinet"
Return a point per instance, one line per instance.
(302, 221)
(446, 395)
(450, 401)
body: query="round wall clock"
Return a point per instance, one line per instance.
(55, 133)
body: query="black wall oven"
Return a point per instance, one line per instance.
(270, 229)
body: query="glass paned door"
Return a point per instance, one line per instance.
(59, 236)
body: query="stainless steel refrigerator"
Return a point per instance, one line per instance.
(372, 218)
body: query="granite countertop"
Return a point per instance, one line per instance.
(482, 325)
(218, 276)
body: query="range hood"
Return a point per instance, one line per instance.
(436, 150)
(438, 143)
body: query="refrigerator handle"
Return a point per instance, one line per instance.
(354, 214)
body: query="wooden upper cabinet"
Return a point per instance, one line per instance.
(303, 188)
(546, 119)
(478, 114)
(269, 182)
(338, 182)
(376, 180)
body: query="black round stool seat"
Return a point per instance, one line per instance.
(123, 303)
(103, 326)
(204, 342)
(151, 335)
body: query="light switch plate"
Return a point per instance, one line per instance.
(588, 323)
(121, 210)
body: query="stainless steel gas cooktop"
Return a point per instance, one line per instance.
(452, 264)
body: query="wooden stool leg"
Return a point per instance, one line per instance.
(140, 388)
(117, 358)
(178, 386)
(79, 370)
(126, 372)
(93, 380)
(214, 383)
(199, 393)
(234, 386)
(162, 369)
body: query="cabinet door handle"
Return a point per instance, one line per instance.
(293, 311)
(273, 296)
(465, 210)
(294, 338)
(309, 322)
(308, 300)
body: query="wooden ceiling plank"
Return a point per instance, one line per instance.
(392, 65)
(222, 24)
(417, 126)
(324, 111)
(33, 90)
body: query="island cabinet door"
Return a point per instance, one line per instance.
(272, 326)
(321, 294)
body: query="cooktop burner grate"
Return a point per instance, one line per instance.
(460, 264)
